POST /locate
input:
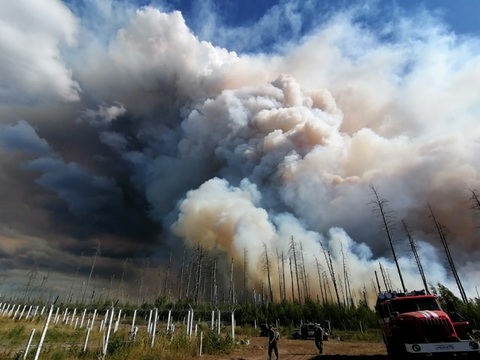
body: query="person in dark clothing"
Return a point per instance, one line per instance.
(273, 337)
(318, 334)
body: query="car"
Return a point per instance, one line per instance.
(307, 331)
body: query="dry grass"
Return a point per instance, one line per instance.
(64, 342)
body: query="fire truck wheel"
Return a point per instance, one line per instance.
(396, 351)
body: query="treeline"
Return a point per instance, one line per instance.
(292, 313)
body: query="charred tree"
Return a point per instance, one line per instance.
(443, 239)
(386, 279)
(267, 268)
(291, 278)
(214, 289)
(306, 290)
(232, 285)
(166, 288)
(413, 245)
(181, 291)
(319, 273)
(280, 285)
(348, 290)
(284, 294)
(380, 205)
(198, 273)
(97, 254)
(328, 259)
(476, 200)
(294, 254)
(70, 293)
(245, 278)
(120, 292)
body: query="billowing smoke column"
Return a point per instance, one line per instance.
(153, 139)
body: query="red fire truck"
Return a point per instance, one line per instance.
(414, 325)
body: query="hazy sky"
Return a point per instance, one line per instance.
(149, 126)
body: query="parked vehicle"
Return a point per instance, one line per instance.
(414, 323)
(307, 331)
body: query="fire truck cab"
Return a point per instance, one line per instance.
(414, 324)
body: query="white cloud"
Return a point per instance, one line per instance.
(32, 34)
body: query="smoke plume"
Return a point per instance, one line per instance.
(146, 137)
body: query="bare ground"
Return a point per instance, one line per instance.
(290, 349)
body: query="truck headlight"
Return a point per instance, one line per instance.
(416, 347)
(473, 345)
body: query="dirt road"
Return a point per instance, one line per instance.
(290, 349)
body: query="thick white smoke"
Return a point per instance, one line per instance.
(173, 137)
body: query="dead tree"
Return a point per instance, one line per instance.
(198, 273)
(328, 260)
(476, 200)
(304, 274)
(284, 294)
(120, 285)
(166, 287)
(319, 268)
(294, 254)
(291, 277)
(70, 294)
(326, 286)
(348, 290)
(245, 278)
(232, 285)
(386, 279)
(380, 205)
(97, 254)
(280, 285)
(411, 240)
(267, 268)
(443, 238)
(182, 273)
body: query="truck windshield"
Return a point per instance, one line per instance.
(409, 305)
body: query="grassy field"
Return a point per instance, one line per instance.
(65, 339)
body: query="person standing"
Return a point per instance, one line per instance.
(318, 335)
(273, 337)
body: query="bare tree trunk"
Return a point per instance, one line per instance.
(245, 279)
(317, 263)
(441, 234)
(380, 207)
(70, 294)
(284, 295)
(166, 288)
(181, 291)
(348, 290)
(291, 277)
(476, 200)
(268, 269)
(294, 253)
(304, 274)
(328, 259)
(120, 293)
(232, 285)
(411, 240)
(97, 254)
(214, 283)
(198, 267)
(280, 286)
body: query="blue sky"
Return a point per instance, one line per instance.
(220, 21)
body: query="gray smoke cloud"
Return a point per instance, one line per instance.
(154, 138)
